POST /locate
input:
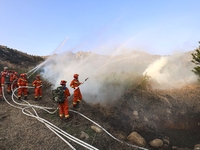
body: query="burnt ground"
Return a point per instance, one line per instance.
(164, 114)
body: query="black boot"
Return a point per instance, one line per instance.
(25, 97)
(19, 98)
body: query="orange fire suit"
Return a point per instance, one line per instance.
(22, 81)
(9, 82)
(63, 107)
(5, 79)
(14, 81)
(77, 93)
(0, 88)
(37, 83)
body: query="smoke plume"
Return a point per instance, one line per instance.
(107, 74)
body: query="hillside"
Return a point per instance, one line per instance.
(15, 59)
(165, 118)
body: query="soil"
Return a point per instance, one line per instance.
(172, 115)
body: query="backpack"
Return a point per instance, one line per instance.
(7, 78)
(58, 95)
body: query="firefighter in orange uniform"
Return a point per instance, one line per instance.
(37, 83)
(25, 76)
(63, 107)
(77, 93)
(9, 81)
(23, 86)
(0, 88)
(4, 74)
(14, 80)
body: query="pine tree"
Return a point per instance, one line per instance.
(196, 60)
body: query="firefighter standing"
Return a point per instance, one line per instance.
(37, 83)
(0, 88)
(14, 80)
(8, 81)
(4, 78)
(77, 93)
(63, 107)
(23, 86)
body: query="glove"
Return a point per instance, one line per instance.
(20, 87)
(26, 86)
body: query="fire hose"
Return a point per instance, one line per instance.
(54, 128)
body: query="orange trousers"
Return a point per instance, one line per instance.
(22, 91)
(77, 96)
(0, 91)
(38, 92)
(63, 109)
(8, 87)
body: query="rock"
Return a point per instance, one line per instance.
(168, 111)
(96, 129)
(137, 139)
(84, 135)
(197, 147)
(175, 148)
(156, 143)
(145, 119)
(166, 141)
(119, 136)
(154, 117)
(166, 147)
(135, 113)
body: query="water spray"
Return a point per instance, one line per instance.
(40, 65)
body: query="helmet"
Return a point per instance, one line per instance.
(3, 73)
(38, 76)
(22, 75)
(5, 68)
(63, 82)
(15, 73)
(76, 76)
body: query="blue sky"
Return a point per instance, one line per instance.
(38, 27)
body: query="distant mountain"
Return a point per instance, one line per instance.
(15, 59)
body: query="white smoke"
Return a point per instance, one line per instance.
(172, 71)
(107, 73)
